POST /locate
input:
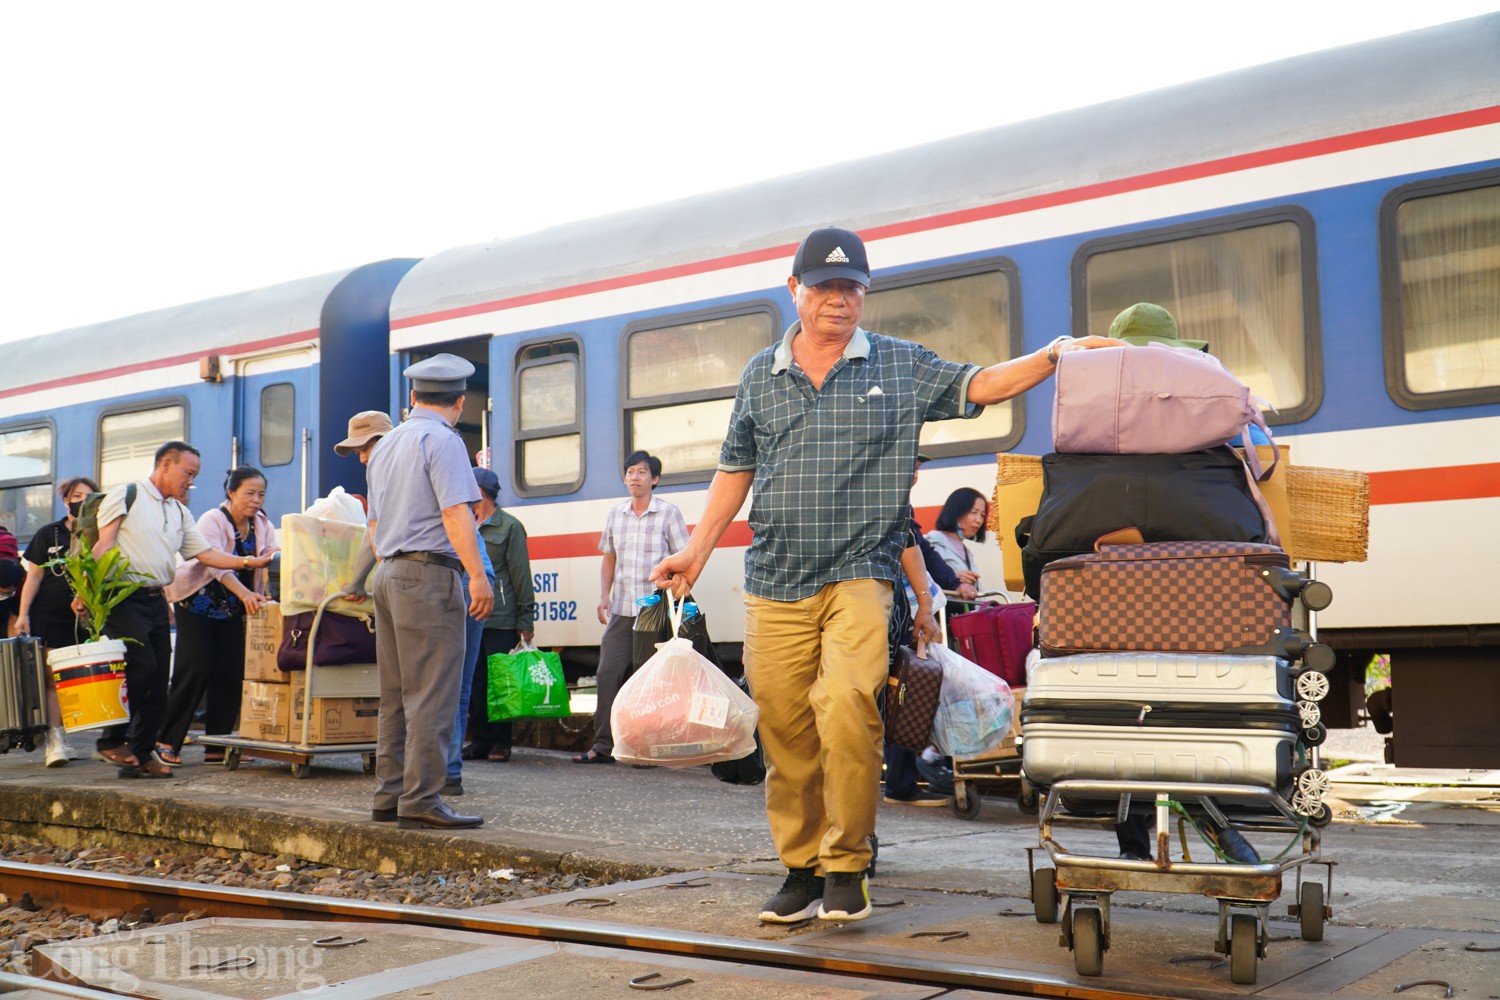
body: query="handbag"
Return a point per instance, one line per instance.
(341, 639)
(526, 683)
(911, 698)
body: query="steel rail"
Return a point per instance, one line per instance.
(84, 891)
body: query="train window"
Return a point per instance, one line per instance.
(548, 416)
(1244, 285)
(1441, 269)
(128, 441)
(967, 317)
(679, 386)
(277, 410)
(26, 472)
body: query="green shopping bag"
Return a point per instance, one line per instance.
(527, 683)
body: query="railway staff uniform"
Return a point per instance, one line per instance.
(825, 426)
(152, 533)
(423, 530)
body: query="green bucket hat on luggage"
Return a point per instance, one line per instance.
(1146, 323)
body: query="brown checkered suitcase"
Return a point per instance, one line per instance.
(1193, 597)
(911, 700)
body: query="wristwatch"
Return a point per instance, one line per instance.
(1052, 349)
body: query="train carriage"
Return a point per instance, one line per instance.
(1329, 223)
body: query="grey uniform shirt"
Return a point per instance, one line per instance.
(415, 472)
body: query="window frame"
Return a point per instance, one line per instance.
(1011, 271)
(160, 403)
(1393, 327)
(25, 482)
(666, 321)
(578, 427)
(1312, 328)
(261, 425)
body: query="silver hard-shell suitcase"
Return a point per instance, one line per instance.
(23, 709)
(1161, 716)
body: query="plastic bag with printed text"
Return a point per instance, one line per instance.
(679, 710)
(318, 556)
(974, 709)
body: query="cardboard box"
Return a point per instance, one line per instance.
(265, 709)
(262, 639)
(334, 720)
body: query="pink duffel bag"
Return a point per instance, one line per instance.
(1151, 400)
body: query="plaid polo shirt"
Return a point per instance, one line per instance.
(833, 467)
(638, 544)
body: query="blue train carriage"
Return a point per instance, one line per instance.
(1329, 223)
(265, 378)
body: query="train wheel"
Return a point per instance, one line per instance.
(301, 770)
(1044, 895)
(1242, 945)
(1088, 942)
(966, 802)
(232, 759)
(1310, 906)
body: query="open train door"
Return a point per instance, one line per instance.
(474, 422)
(273, 425)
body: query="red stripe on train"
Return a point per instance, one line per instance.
(1088, 192)
(1449, 482)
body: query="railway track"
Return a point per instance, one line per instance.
(81, 891)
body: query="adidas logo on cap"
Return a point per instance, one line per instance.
(830, 253)
(836, 257)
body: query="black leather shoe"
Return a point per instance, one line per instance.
(453, 786)
(441, 818)
(383, 815)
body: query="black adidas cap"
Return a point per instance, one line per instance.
(826, 254)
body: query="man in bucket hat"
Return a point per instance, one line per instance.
(825, 427)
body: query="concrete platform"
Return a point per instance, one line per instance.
(1402, 864)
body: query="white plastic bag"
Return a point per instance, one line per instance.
(679, 710)
(338, 506)
(974, 708)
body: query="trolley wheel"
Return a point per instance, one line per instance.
(966, 802)
(1088, 942)
(301, 770)
(1027, 798)
(1242, 946)
(1315, 735)
(1310, 907)
(1044, 895)
(232, 759)
(1322, 817)
(369, 760)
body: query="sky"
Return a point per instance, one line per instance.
(157, 153)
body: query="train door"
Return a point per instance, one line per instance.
(474, 422)
(274, 424)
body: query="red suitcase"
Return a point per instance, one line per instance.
(1203, 597)
(997, 637)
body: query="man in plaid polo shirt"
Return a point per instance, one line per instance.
(825, 427)
(637, 534)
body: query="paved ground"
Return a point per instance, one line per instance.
(1414, 850)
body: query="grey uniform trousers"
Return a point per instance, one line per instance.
(419, 643)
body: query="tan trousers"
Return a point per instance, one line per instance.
(814, 668)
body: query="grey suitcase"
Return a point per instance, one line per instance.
(1161, 716)
(23, 709)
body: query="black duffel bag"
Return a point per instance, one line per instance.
(1195, 496)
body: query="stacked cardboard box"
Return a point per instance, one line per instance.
(271, 708)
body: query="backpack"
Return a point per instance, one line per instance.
(86, 532)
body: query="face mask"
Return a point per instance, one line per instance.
(74, 507)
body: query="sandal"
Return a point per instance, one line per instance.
(166, 756)
(120, 755)
(498, 756)
(593, 758)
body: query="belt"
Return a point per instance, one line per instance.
(432, 558)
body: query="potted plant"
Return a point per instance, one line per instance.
(91, 675)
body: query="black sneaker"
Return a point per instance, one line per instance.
(798, 898)
(846, 896)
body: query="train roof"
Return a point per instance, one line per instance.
(240, 321)
(1408, 77)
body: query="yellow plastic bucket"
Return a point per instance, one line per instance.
(90, 684)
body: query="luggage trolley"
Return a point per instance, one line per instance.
(358, 680)
(1076, 891)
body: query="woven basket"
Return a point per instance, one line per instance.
(1329, 508)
